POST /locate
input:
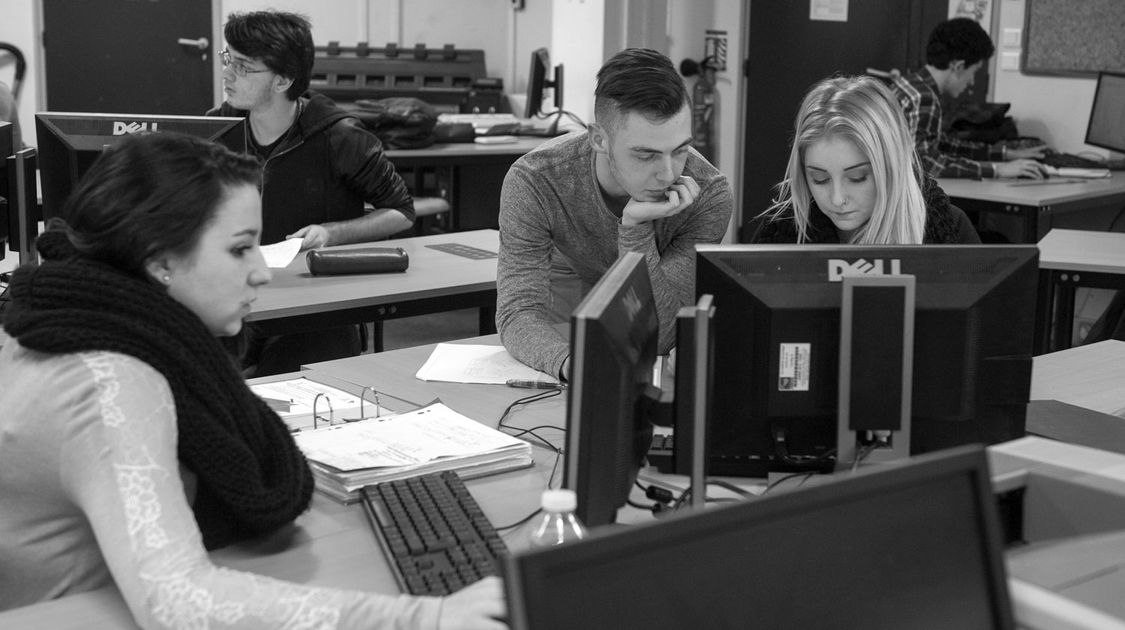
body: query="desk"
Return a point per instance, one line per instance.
(473, 176)
(1069, 259)
(1034, 205)
(1091, 377)
(436, 281)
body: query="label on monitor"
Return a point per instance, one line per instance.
(793, 367)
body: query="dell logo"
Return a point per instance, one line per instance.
(123, 128)
(837, 268)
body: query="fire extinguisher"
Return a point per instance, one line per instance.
(703, 99)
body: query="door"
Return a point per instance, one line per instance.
(788, 53)
(129, 56)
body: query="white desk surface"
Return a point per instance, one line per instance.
(1090, 376)
(1025, 192)
(432, 273)
(1082, 250)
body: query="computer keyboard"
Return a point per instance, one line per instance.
(434, 533)
(660, 452)
(1069, 160)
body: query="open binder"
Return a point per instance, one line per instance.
(346, 457)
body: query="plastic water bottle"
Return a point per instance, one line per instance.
(558, 524)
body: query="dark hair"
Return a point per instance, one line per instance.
(959, 38)
(149, 194)
(639, 80)
(283, 41)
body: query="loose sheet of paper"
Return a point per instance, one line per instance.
(467, 363)
(419, 436)
(301, 392)
(279, 255)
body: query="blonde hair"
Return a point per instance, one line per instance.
(860, 109)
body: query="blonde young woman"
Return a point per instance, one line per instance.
(853, 176)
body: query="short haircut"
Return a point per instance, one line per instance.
(150, 194)
(639, 80)
(863, 111)
(959, 38)
(283, 41)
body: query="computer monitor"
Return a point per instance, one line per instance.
(7, 148)
(1107, 115)
(70, 142)
(907, 546)
(538, 83)
(694, 381)
(778, 334)
(614, 333)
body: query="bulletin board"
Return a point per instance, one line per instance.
(1073, 37)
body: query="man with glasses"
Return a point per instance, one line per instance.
(321, 165)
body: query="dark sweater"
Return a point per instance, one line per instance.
(946, 224)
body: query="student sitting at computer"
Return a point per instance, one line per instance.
(853, 176)
(954, 53)
(632, 182)
(321, 166)
(129, 444)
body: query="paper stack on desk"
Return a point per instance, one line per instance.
(346, 457)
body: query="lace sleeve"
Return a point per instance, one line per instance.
(121, 470)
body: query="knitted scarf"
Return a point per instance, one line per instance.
(252, 478)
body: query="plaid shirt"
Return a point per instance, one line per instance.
(940, 154)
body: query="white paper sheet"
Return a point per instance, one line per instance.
(279, 255)
(467, 363)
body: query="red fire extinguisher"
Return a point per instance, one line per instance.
(703, 100)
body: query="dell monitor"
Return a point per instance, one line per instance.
(1107, 115)
(906, 546)
(70, 142)
(613, 344)
(538, 83)
(778, 338)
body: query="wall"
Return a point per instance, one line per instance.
(16, 19)
(1055, 109)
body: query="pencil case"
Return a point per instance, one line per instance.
(357, 260)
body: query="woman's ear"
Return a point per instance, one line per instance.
(159, 269)
(598, 138)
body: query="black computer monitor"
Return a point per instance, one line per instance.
(778, 335)
(70, 142)
(7, 148)
(614, 334)
(1107, 115)
(907, 546)
(537, 84)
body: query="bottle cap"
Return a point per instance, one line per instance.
(559, 500)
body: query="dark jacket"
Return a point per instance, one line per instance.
(323, 170)
(946, 224)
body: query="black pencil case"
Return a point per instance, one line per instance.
(358, 260)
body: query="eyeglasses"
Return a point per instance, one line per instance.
(237, 65)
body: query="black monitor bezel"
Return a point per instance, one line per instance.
(529, 586)
(1094, 107)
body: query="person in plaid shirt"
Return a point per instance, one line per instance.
(956, 50)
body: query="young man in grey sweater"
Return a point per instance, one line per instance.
(631, 182)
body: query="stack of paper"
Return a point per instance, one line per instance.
(346, 457)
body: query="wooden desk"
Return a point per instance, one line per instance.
(1032, 202)
(436, 281)
(471, 174)
(1069, 259)
(332, 544)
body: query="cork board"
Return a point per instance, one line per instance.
(1073, 37)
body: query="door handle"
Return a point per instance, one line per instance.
(202, 43)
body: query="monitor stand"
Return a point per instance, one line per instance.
(876, 369)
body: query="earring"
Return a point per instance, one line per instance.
(166, 279)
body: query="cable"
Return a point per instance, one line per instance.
(780, 480)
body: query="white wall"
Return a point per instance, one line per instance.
(1055, 109)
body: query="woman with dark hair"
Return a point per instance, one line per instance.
(129, 443)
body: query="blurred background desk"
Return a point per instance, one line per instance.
(1069, 260)
(466, 174)
(1037, 205)
(436, 281)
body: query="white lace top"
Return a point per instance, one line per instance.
(91, 493)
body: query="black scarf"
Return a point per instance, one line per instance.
(252, 477)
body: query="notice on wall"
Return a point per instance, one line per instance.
(828, 10)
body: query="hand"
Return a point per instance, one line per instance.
(1034, 152)
(1021, 168)
(477, 606)
(312, 236)
(681, 194)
